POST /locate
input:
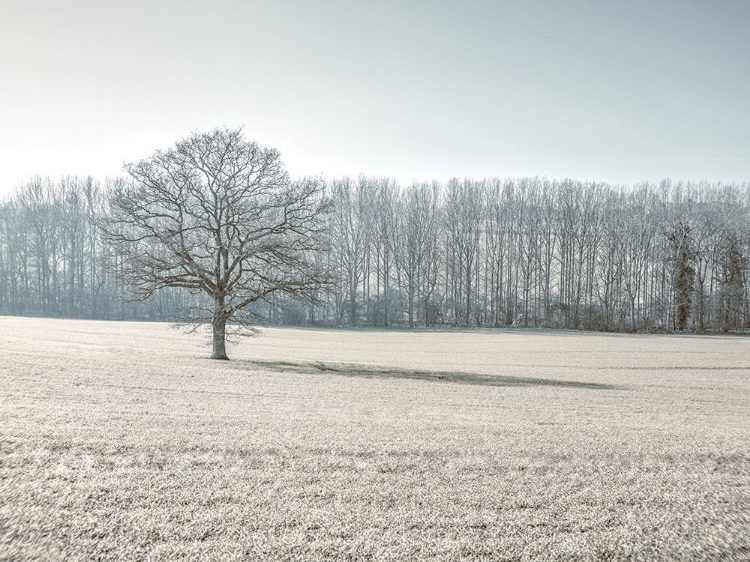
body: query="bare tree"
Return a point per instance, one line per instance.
(217, 214)
(348, 235)
(463, 212)
(415, 230)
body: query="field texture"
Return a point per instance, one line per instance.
(122, 441)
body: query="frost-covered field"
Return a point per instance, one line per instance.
(121, 441)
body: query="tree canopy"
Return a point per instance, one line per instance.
(218, 214)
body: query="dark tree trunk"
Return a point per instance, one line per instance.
(411, 305)
(353, 301)
(219, 326)
(468, 294)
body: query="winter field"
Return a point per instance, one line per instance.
(122, 441)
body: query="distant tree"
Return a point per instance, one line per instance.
(217, 214)
(414, 231)
(684, 278)
(348, 236)
(463, 211)
(732, 285)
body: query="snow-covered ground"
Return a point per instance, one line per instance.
(122, 440)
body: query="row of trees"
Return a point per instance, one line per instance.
(536, 252)
(55, 261)
(497, 252)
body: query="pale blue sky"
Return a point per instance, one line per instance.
(614, 91)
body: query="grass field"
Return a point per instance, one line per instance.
(122, 441)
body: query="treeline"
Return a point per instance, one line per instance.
(54, 260)
(527, 252)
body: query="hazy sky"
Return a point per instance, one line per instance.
(616, 91)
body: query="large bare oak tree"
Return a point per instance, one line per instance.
(218, 214)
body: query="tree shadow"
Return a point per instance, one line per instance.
(361, 371)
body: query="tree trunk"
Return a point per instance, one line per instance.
(353, 300)
(219, 326)
(468, 293)
(411, 307)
